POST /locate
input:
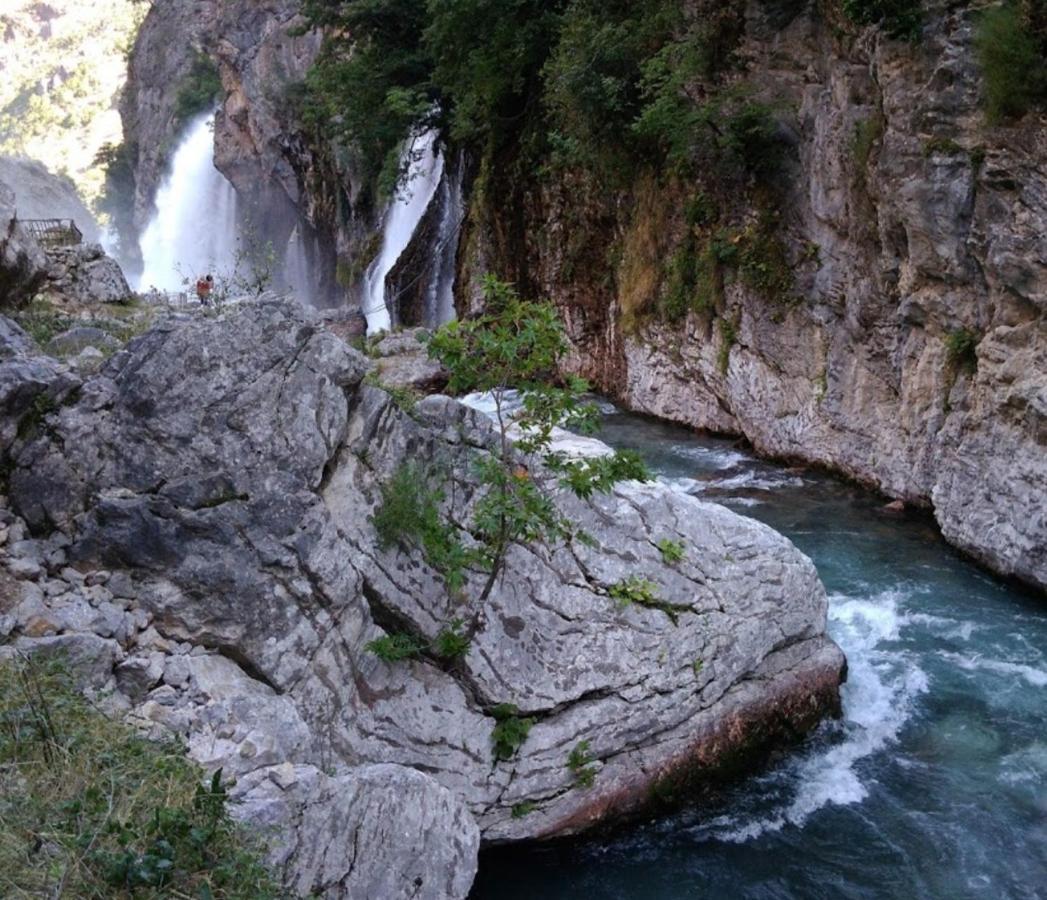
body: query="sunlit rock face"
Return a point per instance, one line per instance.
(223, 473)
(935, 233)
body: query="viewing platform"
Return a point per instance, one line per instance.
(51, 233)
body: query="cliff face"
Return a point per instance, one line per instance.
(910, 352)
(908, 349)
(161, 60)
(290, 192)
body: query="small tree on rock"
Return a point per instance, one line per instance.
(511, 353)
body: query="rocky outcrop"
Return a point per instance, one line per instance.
(161, 60)
(377, 831)
(209, 552)
(911, 352)
(82, 273)
(85, 274)
(287, 195)
(23, 266)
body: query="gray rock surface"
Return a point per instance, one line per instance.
(377, 831)
(224, 472)
(402, 361)
(85, 274)
(31, 385)
(74, 340)
(23, 266)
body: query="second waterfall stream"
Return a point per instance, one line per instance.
(425, 168)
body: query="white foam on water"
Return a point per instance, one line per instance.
(1034, 676)
(718, 458)
(943, 626)
(194, 230)
(1025, 766)
(879, 697)
(754, 481)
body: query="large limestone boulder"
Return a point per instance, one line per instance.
(85, 274)
(378, 831)
(225, 472)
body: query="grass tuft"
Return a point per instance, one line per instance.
(90, 809)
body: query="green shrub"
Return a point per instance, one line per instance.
(452, 642)
(961, 349)
(199, 90)
(522, 809)
(41, 321)
(639, 591)
(1013, 61)
(509, 732)
(901, 19)
(394, 648)
(728, 338)
(672, 551)
(942, 146)
(90, 809)
(409, 515)
(867, 135)
(580, 763)
(762, 263)
(634, 589)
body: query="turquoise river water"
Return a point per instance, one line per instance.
(934, 782)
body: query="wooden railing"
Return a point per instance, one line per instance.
(53, 232)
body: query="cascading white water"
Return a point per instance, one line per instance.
(425, 169)
(194, 229)
(296, 267)
(439, 301)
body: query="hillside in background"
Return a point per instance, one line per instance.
(62, 65)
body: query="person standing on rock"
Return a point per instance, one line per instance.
(204, 286)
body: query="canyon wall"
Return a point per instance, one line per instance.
(910, 352)
(288, 187)
(907, 349)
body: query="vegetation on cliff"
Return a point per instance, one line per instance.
(90, 809)
(64, 64)
(1012, 49)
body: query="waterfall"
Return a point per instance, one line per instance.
(296, 267)
(439, 301)
(194, 229)
(424, 172)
